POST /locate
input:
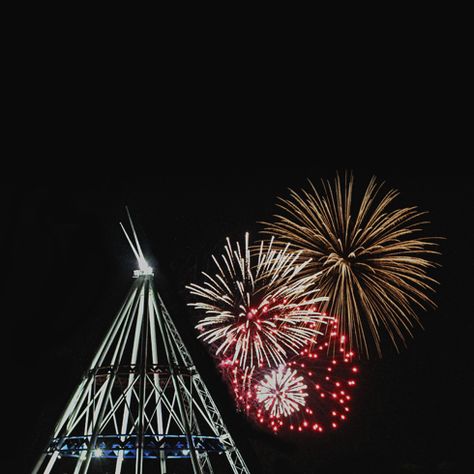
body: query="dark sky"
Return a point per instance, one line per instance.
(69, 268)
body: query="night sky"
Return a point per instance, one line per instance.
(69, 268)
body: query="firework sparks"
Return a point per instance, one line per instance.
(259, 307)
(312, 392)
(373, 265)
(282, 392)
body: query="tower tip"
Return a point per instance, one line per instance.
(143, 267)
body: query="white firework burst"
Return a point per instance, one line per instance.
(282, 392)
(259, 308)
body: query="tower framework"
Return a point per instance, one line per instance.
(142, 402)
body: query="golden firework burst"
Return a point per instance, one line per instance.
(372, 261)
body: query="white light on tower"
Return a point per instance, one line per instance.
(144, 267)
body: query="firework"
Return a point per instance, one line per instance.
(312, 392)
(282, 392)
(259, 307)
(373, 265)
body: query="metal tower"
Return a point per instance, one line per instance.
(142, 402)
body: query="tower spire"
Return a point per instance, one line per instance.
(143, 267)
(141, 403)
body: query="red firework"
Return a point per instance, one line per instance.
(311, 392)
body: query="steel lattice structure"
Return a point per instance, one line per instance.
(142, 397)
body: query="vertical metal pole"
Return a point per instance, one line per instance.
(172, 362)
(143, 370)
(156, 378)
(131, 377)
